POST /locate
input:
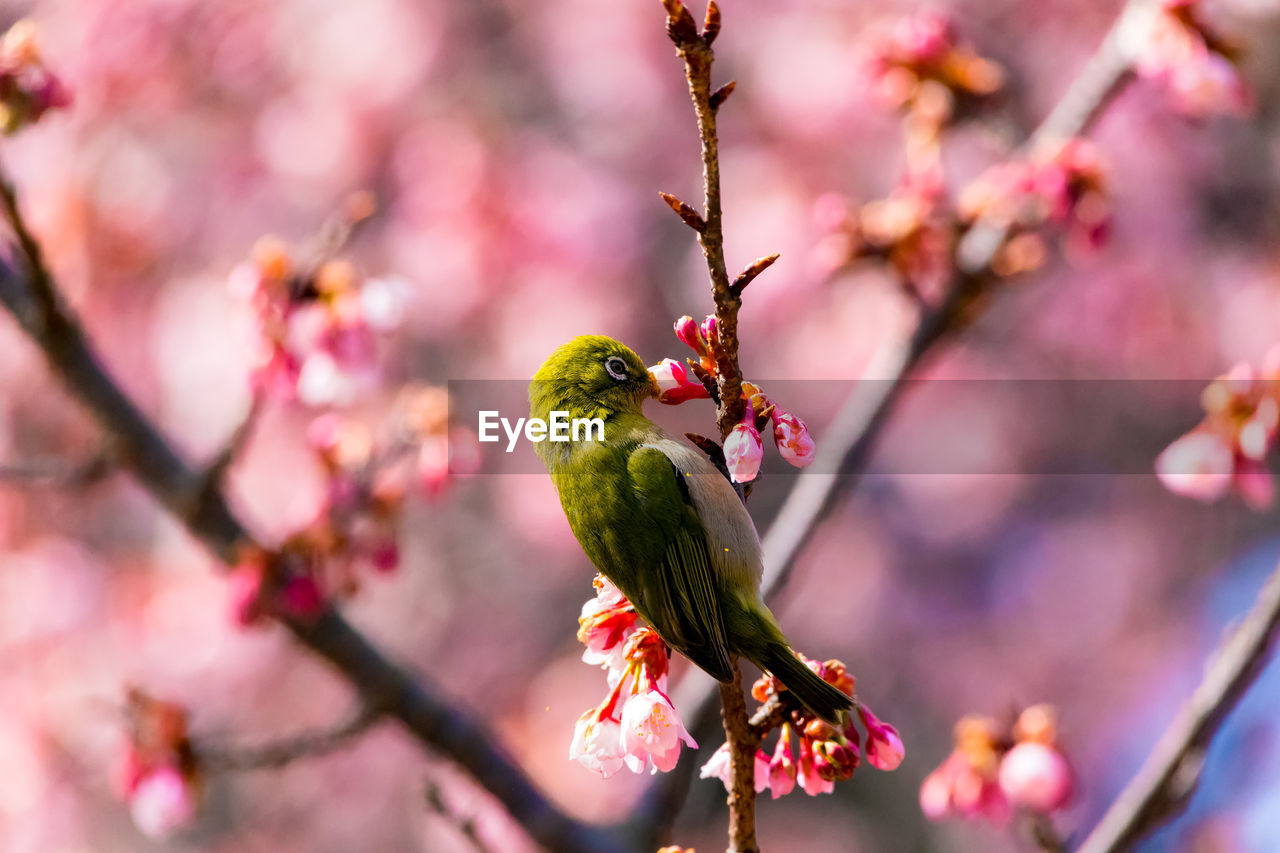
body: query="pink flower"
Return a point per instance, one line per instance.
(809, 775)
(597, 742)
(935, 795)
(652, 732)
(1036, 776)
(743, 449)
(1208, 85)
(675, 385)
(884, 746)
(384, 555)
(792, 438)
(1255, 484)
(161, 803)
(720, 766)
(956, 787)
(1198, 465)
(710, 329)
(782, 769)
(1171, 48)
(300, 597)
(606, 623)
(244, 589)
(690, 335)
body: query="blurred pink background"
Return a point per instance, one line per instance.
(516, 151)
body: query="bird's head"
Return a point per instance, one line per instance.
(591, 376)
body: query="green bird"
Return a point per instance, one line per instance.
(658, 519)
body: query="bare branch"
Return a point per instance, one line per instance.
(466, 825)
(59, 473)
(1171, 772)
(224, 758)
(695, 50)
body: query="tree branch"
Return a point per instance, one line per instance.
(743, 742)
(60, 473)
(1171, 772)
(694, 49)
(387, 689)
(277, 753)
(846, 446)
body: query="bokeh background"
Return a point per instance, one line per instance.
(516, 150)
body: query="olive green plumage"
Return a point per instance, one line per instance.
(660, 520)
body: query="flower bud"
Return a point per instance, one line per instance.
(884, 745)
(675, 385)
(1036, 777)
(1198, 465)
(743, 449)
(792, 438)
(690, 335)
(711, 330)
(162, 803)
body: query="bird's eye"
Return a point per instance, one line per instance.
(616, 367)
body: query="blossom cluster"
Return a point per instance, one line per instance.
(916, 229)
(158, 776)
(1173, 47)
(28, 89)
(354, 529)
(922, 64)
(317, 327)
(912, 229)
(992, 771)
(1063, 185)
(1229, 449)
(824, 753)
(636, 725)
(743, 447)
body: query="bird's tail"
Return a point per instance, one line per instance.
(814, 693)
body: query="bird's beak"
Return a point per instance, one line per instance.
(654, 390)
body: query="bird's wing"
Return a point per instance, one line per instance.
(684, 607)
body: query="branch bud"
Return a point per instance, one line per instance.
(719, 96)
(690, 216)
(681, 27)
(748, 275)
(711, 26)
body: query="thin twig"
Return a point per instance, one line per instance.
(1044, 835)
(1169, 776)
(466, 826)
(211, 479)
(58, 473)
(435, 722)
(845, 448)
(694, 49)
(223, 758)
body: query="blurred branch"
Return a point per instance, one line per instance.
(215, 472)
(278, 753)
(1171, 772)
(466, 825)
(60, 473)
(387, 689)
(1043, 834)
(846, 446)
